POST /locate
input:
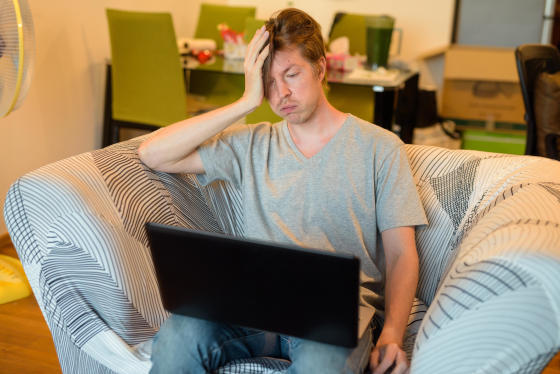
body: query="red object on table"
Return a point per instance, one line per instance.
(203, 56)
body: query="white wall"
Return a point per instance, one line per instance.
(62, 114)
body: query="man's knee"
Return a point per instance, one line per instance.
(312, 357)
(182, 343)
(184, 332)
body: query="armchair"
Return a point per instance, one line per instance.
(489, 259)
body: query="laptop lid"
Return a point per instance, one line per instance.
(280, 288)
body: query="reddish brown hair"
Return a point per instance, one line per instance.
(293, 28)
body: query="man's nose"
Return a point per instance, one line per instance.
(283, 89)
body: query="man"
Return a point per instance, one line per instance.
(320, 178)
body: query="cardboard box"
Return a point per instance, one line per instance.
(481, 84)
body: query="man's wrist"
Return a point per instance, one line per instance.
(390, 335)
(247, 105)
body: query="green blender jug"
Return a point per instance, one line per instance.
(379, 32)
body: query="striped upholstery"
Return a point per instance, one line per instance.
(489, 261)
(490, 258)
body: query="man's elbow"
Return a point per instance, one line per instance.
(147, 156)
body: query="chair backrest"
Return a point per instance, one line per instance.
(251, 27)
(211, 15)
(354, 27)
(533, 59)
(148, 83)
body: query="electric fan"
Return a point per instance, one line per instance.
(17, 51)
(16, 60)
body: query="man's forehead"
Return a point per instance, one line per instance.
(286, 58)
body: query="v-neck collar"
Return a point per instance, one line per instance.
(323, 149)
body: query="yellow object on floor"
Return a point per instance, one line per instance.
(13, 283)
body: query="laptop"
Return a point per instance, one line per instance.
(285, 289)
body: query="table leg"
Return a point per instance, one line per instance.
(407, 106)
(384, 108)
(108, 110)
(405, 113)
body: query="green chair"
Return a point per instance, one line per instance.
(263, 114)
(211, 15)
(145, 87)
(354, 27)
(358, 100)
(219, 88)
(251, 26)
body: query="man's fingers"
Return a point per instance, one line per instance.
(392, 360)
(401, 366)
(386, 362)
(374, 359)
(255, 37)
(255, 45)
(252, 58)
(262, 56)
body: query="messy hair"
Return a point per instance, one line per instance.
(293, 28)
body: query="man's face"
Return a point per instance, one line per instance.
(294, 87)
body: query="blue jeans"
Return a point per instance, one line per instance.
(191, 345)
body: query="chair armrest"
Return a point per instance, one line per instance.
(496, 308)
(78, 227)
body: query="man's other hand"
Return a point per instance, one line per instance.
(388, 358)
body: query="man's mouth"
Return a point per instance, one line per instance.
(288, 108)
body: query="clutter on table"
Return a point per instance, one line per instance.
(338, 57)
(234, 45)
(200, 49)
(353, 67)
(380, 74)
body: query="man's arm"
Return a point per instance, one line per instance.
(401, 261)
(173, 148)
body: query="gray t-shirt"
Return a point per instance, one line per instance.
(358, 185)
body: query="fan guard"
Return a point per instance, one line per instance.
(17, 51)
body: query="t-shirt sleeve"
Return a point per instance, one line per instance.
(396, 196)
(223, 156)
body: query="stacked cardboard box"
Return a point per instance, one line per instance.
(481, 92)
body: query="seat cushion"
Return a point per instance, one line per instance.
(259, 365)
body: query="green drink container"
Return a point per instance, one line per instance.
(379, 32)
